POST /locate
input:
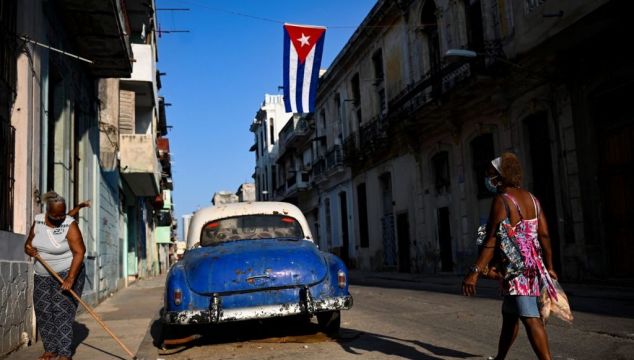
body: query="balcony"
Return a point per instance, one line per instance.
(334, 159)
(143, 78)
(100, 30)
(432, 86)
(140, 167)
(299, 134)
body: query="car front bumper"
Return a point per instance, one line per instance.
(216, 314)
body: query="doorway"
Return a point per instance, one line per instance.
(614, 124)
(387, 221)
(345, 250)
(444, 240)
(402, 231)
(544, 177)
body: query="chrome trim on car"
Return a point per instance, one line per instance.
(218, 315)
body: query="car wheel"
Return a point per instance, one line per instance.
(329, 322)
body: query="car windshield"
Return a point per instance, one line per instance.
(249, 227)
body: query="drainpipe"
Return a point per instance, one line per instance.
(44, 117)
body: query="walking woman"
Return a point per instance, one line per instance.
(56, 238)
(522, 272)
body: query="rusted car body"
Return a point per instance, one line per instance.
(254, 260)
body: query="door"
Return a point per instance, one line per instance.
(387, 221)
(444, 240)
(402, 231)
(543, 177)
(343, 203)
(614, 121)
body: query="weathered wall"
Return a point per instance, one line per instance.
(16, 307)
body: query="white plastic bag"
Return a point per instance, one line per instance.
(559, 308)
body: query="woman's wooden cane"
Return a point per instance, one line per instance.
(86, 306)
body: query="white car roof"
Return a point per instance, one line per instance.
(205, 215)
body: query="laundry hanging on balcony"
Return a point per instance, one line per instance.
(303, 47)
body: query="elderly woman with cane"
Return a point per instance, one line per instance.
(56, 238)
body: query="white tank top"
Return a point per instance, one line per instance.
(52, 245)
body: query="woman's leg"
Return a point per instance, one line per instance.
(537, 337)
(65, 315)
(510, 327)
(43, 288)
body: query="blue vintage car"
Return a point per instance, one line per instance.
(254, 260)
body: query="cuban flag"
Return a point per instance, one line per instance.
(303, 46)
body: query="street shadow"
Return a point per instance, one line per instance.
(80, 334)
(299, 330)
(280, 330)
(389, 345)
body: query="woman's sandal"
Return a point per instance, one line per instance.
(47, 356)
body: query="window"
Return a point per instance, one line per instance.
(356, 90)
(482, 153)
(440, 164)
(250, 227)
(362, 210)
(377, 62)
(322, 115)
(473, 9)
(272, 131)
(381, 95)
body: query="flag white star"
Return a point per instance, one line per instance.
(304, 40)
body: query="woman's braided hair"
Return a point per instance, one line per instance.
(511, 169)
(51, 198)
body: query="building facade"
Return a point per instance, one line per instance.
(59, 130)
(419, 121)
(266, 126)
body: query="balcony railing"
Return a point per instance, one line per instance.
(334, 157)
(433, 85)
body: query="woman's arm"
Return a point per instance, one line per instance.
(496, 215)
(75, 211)
(28, 247)
(544, 240)
(77, 247)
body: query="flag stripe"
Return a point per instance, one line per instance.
(307, 80)
(294, 74)
(319, 47)
(286, 70)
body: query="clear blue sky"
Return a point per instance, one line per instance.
(217, 76)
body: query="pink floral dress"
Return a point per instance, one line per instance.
(525, 271)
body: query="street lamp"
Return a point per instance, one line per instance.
(453, 55)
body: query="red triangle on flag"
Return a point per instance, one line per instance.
(304, 38)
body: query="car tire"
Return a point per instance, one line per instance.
(329, 322)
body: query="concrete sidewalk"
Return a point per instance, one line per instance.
(128, 314)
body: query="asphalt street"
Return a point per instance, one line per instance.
(394, 317)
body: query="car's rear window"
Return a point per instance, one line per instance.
(249, 227)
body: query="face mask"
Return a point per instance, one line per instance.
(488, 182)
(55, 221)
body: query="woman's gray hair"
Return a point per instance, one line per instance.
(51, 198)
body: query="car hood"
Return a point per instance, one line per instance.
(251, 265)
